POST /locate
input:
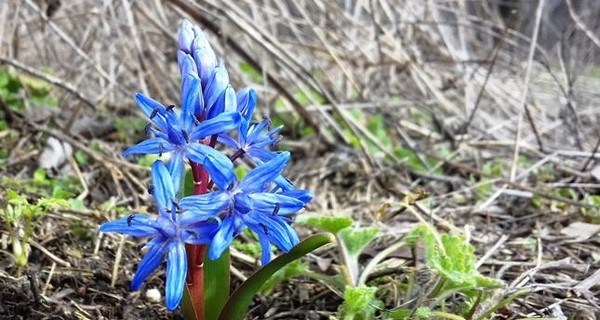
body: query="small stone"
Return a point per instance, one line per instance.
(153, 295)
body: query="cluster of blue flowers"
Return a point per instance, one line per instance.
(211, 115)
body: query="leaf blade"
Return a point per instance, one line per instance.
(239, 301)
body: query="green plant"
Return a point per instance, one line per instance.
(20, 217)
(456, 289)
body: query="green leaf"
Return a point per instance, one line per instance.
(359, 303)
(252, 73)
(81, 158)
(238, 303)
(356, 239)
(331, 224)
(453, 258)
(294, 269)
(216, 284)
(39, 175)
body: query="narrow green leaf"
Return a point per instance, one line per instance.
(216, 285)
(331, 224)
(294, 269)
(187, 307)
(238, 303)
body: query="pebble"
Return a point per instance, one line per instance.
(153, 295)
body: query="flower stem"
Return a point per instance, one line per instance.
(195, 253)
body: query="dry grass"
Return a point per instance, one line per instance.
(460, 90)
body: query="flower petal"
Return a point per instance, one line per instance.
(163, 189)
(186, 36)
(217, 164)
(205, 57)
(190, 104)
(176, 273)
(275, 203)
(246, 102)
(259, 177)
(153, 109)
(149, 263)
(187, 66)
(202, 233)
(225, 103)
(228, 141)
(260, 155)
(265, 245)
(137, 225)
(154, 145)
(220, 124)
(222, 238)
(300, 194)
(209, 205)
(175, 167)
(219, 80)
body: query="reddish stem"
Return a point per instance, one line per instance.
(195, 253)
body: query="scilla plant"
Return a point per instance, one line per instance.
(213, 130)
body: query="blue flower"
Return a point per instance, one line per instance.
(180, 134)
(254, 138)
(168, 232)
(252, 203)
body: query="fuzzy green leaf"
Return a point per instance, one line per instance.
(359, 303)
(356, 239)
(331, 224)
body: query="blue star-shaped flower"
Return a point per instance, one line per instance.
(253, 138)
(168, 232)
(180, 134)
(252, 203)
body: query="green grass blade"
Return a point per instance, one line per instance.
(238, 303)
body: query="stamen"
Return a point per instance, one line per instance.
(277, 207)
(154, 112)
(151, 189)
(130, 220)
(147, 128)
(192, 232)
(176, 204)
(185, 136)
(170, 107)
(265, 230)
(161, 148)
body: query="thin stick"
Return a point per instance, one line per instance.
(115, 270)
(47, 284)
(523, 103)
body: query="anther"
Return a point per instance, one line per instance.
(147, 128)
(130, 220)
(161, 148)
(176, 204)
(193, 233)
(170, 107)
(151, 189)
(265, 230)
(154, 112)
(276, 210)
(185, 136)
